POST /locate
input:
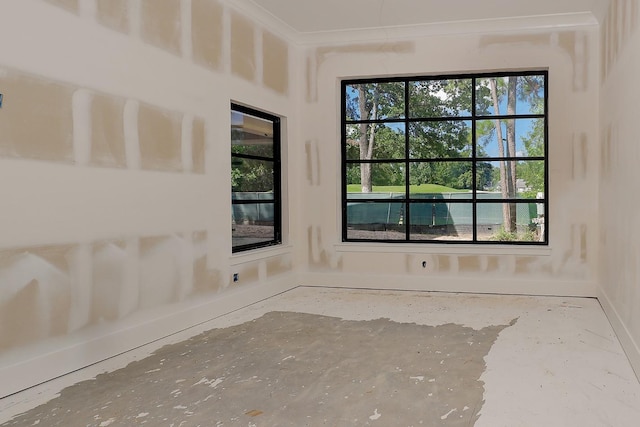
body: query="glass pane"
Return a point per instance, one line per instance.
(527, 136)
(496, 179)
(381, 180)
(441, 221)
(374, 220)
(251, 135)
(447, 139)
(252, 223)
(440, 177)
(509, 222)
(488, 176)
(248, 175)
(440, 98)
(374, 101)
(388, 141)
(510, 95)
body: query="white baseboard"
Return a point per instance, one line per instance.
(63, 355)
(629, 344)
(458, 284)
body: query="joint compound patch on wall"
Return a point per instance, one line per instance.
(606, 151)
(114, 14)
(35, 302)
(107, 131)
(312, 152)
(574, 44)
(36, 118)
(314, 363)
(618, 27)
(50, 291)
(161, 24)
(317, 57)
(198, 145)
(579, 164)
(243, 50)
(70, 5)
(160, 138)
(275, 53)
(207, 33)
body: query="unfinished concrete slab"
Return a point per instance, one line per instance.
(315, 356)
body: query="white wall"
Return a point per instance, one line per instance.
(569, 51)
(115, 171)
(619, 237)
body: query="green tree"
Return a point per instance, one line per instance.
(525, 89)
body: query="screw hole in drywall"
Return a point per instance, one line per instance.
(424, 264)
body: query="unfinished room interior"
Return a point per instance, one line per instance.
(319, 213)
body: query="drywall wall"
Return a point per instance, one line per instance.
(114, 158)
(567, 266)
(619, 235)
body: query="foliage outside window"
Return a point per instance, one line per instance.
(255, 179)
(456, 159)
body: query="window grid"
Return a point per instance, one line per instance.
(409, 200)
(262, 199)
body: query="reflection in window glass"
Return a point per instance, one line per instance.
(255, 179)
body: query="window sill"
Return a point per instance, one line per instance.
(443, 249)
(260, 254)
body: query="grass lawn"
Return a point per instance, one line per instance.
(422, 188)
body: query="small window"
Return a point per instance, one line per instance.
(255, 179)
(445, 159)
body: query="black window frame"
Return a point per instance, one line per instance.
(276, 200)
(474, 117)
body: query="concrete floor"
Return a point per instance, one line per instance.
(317, 356)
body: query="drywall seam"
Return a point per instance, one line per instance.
(131, 137)
(82, 100)
(186, 42)
(258, 56)
(88, 9)
(187, 143)
(226, 41)
(135, 14)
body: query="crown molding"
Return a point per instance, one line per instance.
(549, 22)
(556, 22)
(266, 19)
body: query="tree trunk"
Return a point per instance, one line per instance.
(511, 149)
(506, 212)
(367, 136)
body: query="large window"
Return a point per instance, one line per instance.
(456, 159)
(255, 179)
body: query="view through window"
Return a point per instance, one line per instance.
(255, 179)
(458, 159)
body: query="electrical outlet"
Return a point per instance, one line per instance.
(236, 277)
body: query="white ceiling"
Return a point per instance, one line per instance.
(313, 16)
